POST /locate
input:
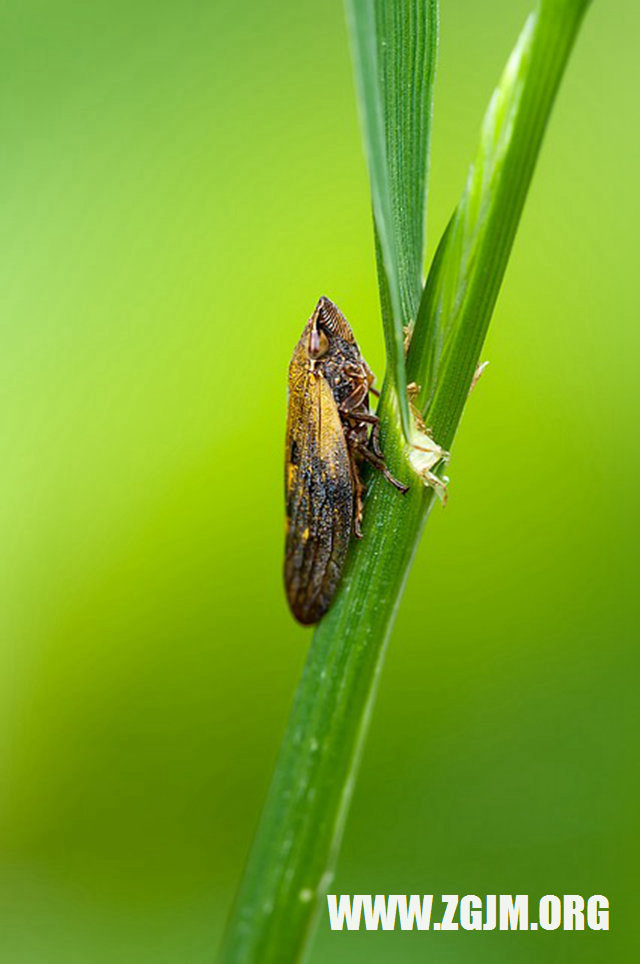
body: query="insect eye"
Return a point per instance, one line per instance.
(318, 343)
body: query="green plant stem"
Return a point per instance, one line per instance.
(302, 820)
(293, 854)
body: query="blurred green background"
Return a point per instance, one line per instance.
(179, 183)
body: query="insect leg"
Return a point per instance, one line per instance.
(354, 400)
(358, 490)
(378, 462)
(371, 419)
(356, 416)
(375, 439)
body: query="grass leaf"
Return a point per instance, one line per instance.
(394, 52)
(463, 284)
(443, 299)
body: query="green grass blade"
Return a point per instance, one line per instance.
(467, 271)
(394, 52)
(443, 300)
(290, 866)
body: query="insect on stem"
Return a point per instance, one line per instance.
(331, 430)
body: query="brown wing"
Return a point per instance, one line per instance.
(319, 494)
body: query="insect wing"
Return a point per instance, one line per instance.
(319, 494)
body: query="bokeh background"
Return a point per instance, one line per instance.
(179, 183)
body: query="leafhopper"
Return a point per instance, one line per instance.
(330, 432)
